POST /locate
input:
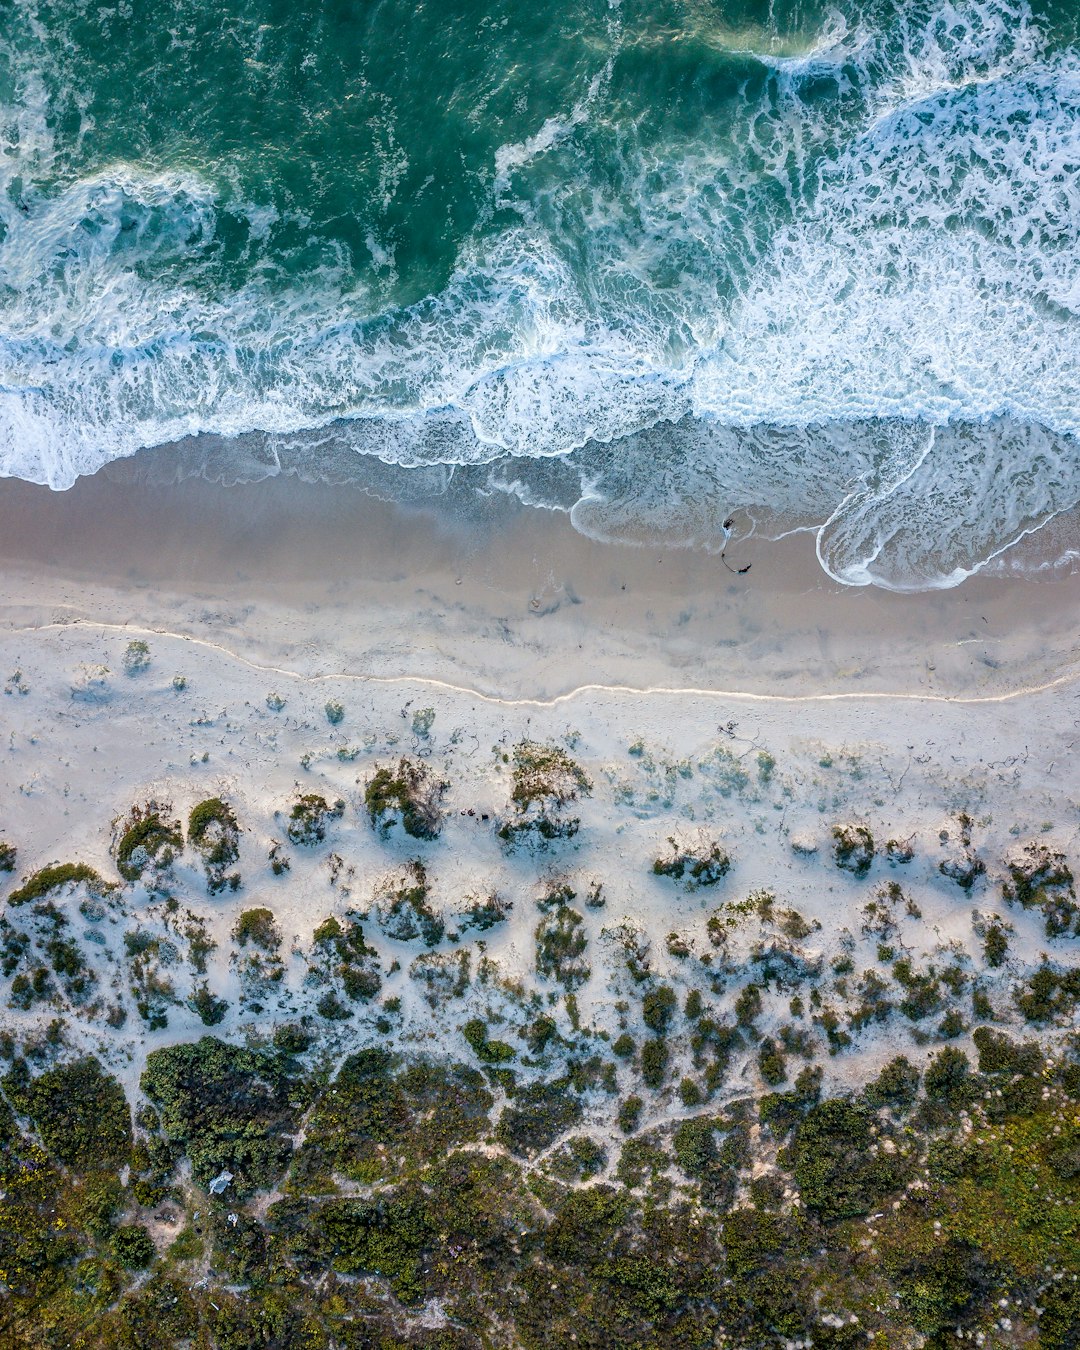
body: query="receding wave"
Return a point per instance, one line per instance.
(834, 284)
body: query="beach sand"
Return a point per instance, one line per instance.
(509, 601)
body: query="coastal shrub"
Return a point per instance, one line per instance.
(409, 796)
(995, 945)
(309, 817)
(853, 848)
(630, 1109)
(80, 1112)
(214, 833)
(658, 1007)
(561, 941)
(484, 911)
(486, 1051)
(148, 836)
(401, 905)
(748, 1005)
(58, 877)
(654, 1062)
(443, 976)
(8, 854)
(1041, 879)
(1049, 994)
(703, 866)
(948, 1078)
(545, 782)
(537, 1116)
(896, 1086)
(340, 951)
(771, 1062)
(838, 1175)
(579, 1158)
(335, 712)
(133, 1247)
(209, 1008)
(231, 1108)
(136, 657)
(384, 1115)
(258, 927)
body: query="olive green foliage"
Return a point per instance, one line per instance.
(1049, 995)
(396, 1199)
(49, 879)
(995, 945)
(309, 818)
(342, 953)
(403, 910)
(149, 836)
(538, 1115)
(896, 1086)
(1042, 879)
(771, 1062)
(487, 1051)
(837, 1174)
(80, 1113)
(704, 867)
(853, 848)
(545, 782)
(383, 1115)
(408, 795)
(258, 927)
(210, 1009)
(561, 941)
(133, 1246)
(136, 658)
(654, 1062)
(658, 1007)
(214, 833)
(8, 854)
(229, 1107)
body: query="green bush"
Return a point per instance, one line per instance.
(538, 1115)
(658, 1007)
(837, 1175)
(42, 884)
(896, 1086)
(133, 1247)
(853, 848)
(230, 1107)
(309, 817)
(210, 1009)
(214, 833)
(408, 794)
(257, 926)
(654, 1062)
(81, 1114)
(150, 835)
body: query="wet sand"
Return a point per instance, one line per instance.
(502, 598)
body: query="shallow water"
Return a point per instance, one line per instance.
(809, 265)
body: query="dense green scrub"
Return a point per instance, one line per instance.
(893, 1216)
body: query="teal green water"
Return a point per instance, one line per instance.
(834, 246)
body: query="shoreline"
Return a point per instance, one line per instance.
(511, 602)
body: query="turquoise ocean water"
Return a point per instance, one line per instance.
(651, 263)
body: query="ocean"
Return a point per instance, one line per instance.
(673, 268)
